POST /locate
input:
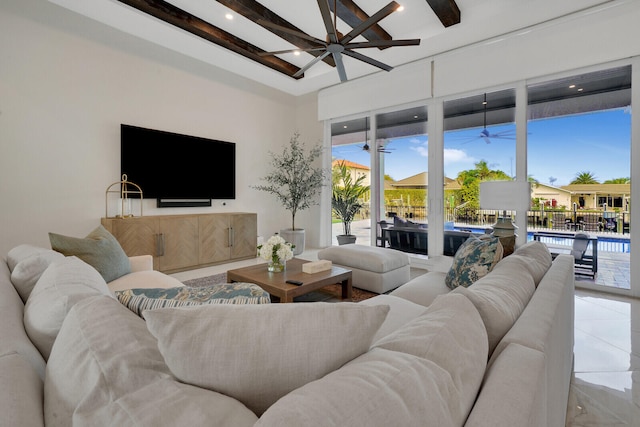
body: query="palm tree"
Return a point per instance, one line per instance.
(346, 197)
(626, 180)
(585, 178)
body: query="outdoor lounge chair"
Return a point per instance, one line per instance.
(585, 264)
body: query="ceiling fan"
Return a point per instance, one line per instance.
(486, 135)
(337, 44)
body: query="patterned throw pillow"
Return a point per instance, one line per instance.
(138, 300)
(475, 258)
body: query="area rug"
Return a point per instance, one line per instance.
(331, 293)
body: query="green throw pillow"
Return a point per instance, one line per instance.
(99, 249)
(475, 258)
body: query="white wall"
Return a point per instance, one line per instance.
(66, 84)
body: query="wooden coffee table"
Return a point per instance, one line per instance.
(274, 283)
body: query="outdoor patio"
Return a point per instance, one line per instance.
(613, 267)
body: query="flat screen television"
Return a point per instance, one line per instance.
(175, 169)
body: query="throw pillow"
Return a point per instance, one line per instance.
(259, 353)
(61, 286)
(99, 249)
(138, 300)
(26, 273)
(474, 259)
(105, 370)
(22, 252)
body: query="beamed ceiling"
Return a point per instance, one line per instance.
(200, 29)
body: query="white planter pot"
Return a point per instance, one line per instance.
(295, 237)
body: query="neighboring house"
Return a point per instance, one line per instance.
(594, 196)
(551, 196)
(418, 181)
(357, 170)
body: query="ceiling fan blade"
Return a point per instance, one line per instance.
(278, 52)
(310, 64)
(326, 18)
(337, 57)
(383, 43)
(368, 60)
(379, 15)
(300, 34)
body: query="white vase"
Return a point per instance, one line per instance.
(295, 237)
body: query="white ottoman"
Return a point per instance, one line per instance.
(374, 269)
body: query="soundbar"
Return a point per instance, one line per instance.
(183, 203)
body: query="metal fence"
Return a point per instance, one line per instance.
(595, 221)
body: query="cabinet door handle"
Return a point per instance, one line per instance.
(231, 237)
(160, 244)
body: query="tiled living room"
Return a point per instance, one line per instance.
(75, 74)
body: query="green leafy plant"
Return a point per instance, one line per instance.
(295, 181)
(346, 195)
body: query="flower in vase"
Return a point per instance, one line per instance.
(276, 249)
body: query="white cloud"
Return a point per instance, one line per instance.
(421, 150)
(453, 155)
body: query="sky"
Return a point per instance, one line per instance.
(558, 149)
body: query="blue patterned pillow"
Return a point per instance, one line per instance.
(138, 300)
(475, 258)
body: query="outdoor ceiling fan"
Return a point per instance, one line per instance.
(486, 135)
(337, 44)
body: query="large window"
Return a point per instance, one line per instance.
(479, 145)
(579, 136)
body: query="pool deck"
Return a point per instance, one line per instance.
(614, 268)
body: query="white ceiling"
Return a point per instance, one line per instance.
(480, 20)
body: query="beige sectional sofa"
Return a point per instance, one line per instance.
(498, 353)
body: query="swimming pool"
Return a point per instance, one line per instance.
(605, 243)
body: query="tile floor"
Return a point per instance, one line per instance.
(605, 387)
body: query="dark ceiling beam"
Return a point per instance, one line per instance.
(350, 13)
(447, 11)
(194, 25)
(256, 12)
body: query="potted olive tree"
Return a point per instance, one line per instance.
(295, 182)
(346, 199)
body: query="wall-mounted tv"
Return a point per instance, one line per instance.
(178, 170)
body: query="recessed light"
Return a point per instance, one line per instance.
(415, 117)
(344, 127)
(572, 86)
(229, 16)
(580, 90)
(400, 8)
(296, 52)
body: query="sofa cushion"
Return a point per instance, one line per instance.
(500, 297)
(426, 373)
(423, 289)
(21, 393)
(144, 279)
(538, 259)
(138, 300)
(473, 260)
(99, 249)
(27, 272)
(62, 285)
(378, 389)
(105, 369)
(513, 391)
(283, 346)
(401, 312)
(452, 335)
(21, 252)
